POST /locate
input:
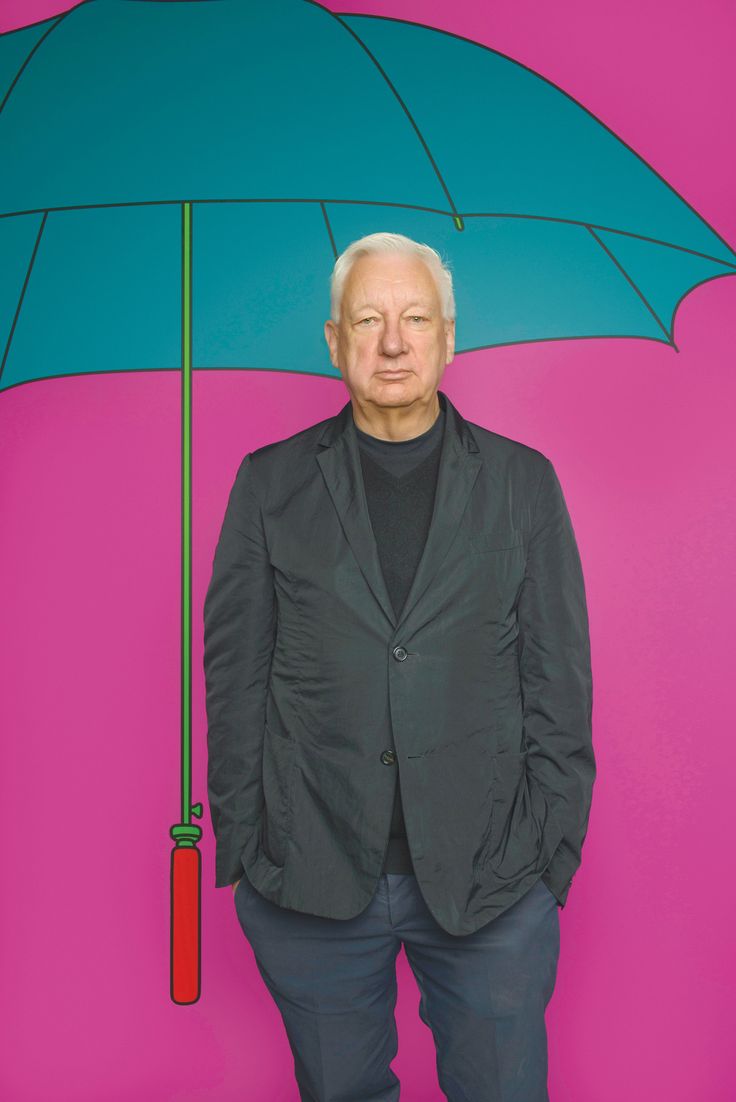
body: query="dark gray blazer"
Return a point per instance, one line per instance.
(479, 695)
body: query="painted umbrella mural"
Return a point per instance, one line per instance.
(178, 179)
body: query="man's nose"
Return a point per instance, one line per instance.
(392, 340)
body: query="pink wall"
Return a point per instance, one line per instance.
(643, 440)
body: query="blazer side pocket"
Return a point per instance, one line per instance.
(278, 769)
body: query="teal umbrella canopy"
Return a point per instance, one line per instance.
(237, 147)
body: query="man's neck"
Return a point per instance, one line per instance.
(381, 433)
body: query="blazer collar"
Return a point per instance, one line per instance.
(339, 459)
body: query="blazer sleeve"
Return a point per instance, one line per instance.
(556, 679)
(239, 627)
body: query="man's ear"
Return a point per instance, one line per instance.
(331, 338)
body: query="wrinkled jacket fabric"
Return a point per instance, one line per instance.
(479, 695)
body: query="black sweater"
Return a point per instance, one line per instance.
(400, 479)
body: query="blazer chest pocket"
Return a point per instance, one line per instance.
(495, 540)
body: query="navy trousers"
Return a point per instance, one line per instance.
(483, 996)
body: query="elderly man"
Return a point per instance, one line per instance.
(399, 703)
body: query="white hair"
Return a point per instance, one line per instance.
(391, 243)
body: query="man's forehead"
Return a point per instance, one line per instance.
(376, 300)
(373, 289)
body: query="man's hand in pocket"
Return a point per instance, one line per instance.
(235, 885)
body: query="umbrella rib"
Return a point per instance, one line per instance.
(6, 352)
(398, 206)
(631, 283)
(326, 217)
(613, 229)
(456, 216)
(42, 39)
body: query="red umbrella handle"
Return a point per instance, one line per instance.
(186, 895)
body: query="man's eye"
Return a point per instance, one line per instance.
(412, 317)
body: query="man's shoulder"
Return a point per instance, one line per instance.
(289, 447)
(287, 456)
(511, 453)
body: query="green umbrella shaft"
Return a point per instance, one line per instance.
(186, 833)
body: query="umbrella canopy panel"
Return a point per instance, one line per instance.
(127, 102)
(286, 100)
(291, 131)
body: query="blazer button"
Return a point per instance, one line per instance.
(400, 653)
(388, 757)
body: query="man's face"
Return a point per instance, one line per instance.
(392, 345)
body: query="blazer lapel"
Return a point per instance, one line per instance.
(339, 459)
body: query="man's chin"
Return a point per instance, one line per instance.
(394, 396)
(400, 386)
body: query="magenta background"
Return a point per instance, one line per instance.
(643, 441)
